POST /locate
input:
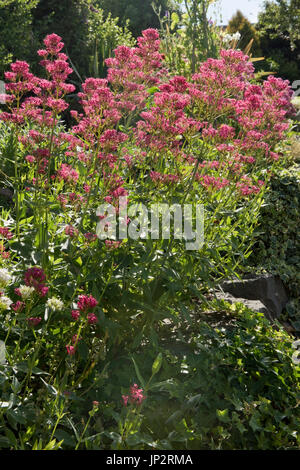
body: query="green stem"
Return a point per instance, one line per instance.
(83, 433)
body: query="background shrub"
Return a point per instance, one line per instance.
(277, 247)
(16, 38)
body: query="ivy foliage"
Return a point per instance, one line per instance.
(277, 247)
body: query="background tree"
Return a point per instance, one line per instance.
(281, 18)
(89, 35)
(89, 32)
(16, 38)
(279, 30)
(139, 12)
(239, 23)
(68, 19)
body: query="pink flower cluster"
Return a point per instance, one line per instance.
(71, 199)
(100, 110)
(112, 245)
(86, 302)
(5, 234)
(135, 397)
(18, 306)
(212, 182)
(246, 186)
(167, 119)
(163, 178)
(134, 70)
(71, 350)
(71, 231)
(85, 305)
(35, 277)
(39, 101)
(68, 174)
(46, 100)
(34, 321)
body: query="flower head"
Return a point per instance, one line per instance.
(24, 291)
(18, 306)
(55, 304)
(70, 350)
(6, 233)
(86, 302)
(34, 277)
(34, 321)
(75, 339)
(135, 397)
(125, 399)
(92, 319)
(5, 277)
(136, 394)
(75, 314)
(5, 302)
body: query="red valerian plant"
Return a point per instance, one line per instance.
(148, 136)
(216, 132)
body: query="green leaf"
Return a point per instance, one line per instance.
(138, 373)
(4, 442)
(17, 416)
(64, 436)
(255, 422)
(50, 388)
(53, 445)
(238, 423)
(12, 438)
(174, 19)
(157, 364)
(223, 416)
(15, 385)
(152, 90)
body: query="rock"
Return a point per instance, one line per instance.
(289, 328)
(7, 193)
(267, 289)
(255, 305)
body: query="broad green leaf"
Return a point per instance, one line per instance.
(157, 364)
(139, 376)
(223, 416)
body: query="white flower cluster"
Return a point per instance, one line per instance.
(228, 38)
(5, 302)
(26, 291)
(5, 277)
(55, 304)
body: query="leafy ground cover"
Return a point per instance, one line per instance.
(97, 334)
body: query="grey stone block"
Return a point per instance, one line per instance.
(267, 289)
(255, 305)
